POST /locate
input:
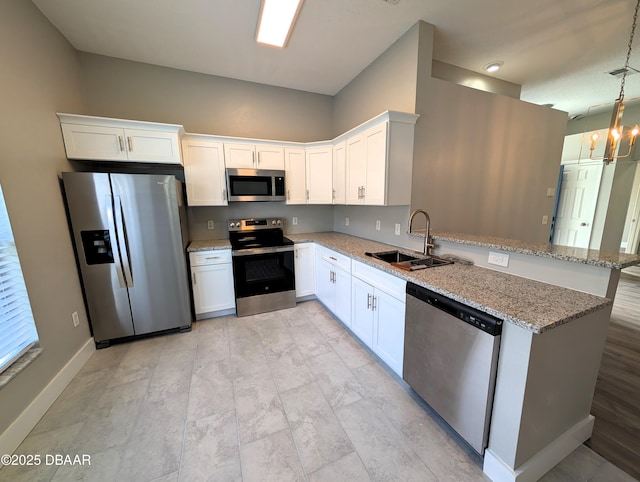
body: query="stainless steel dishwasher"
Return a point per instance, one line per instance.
(450, 360)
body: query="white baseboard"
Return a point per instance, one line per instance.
(13, 436)
(547, 458)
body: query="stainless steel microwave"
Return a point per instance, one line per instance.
(255, 185)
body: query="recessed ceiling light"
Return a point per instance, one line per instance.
(494, 66)
(276, 21)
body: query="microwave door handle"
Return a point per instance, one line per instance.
(124, 245)
(114, 241)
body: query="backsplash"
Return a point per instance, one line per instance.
(362, 223)
(311, 219)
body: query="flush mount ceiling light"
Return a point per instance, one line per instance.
(276, 21)
(493, 66)
(615, 132)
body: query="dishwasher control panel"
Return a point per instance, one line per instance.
(481, 320)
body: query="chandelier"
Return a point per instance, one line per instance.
(615, 133)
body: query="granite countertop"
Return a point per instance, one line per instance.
(530, 304)
(208, 245)
(604, 259)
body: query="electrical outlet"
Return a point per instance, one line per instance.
(76, 320)
(499, 259)
(346, 221)
(397, 229)
(210, 225)
(378, 225)
(545, 219)
(294, 221)
(551, 192)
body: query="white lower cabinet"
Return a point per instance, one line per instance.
(304, 263)
(212, 281)
(378, 313)
(333, 283)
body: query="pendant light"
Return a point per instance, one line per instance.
(615, 133)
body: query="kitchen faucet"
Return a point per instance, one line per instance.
(427, 245)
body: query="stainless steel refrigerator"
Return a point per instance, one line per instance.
(130, 237)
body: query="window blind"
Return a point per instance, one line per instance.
(17, 328)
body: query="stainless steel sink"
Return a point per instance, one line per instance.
(409, 262)
(393, 256)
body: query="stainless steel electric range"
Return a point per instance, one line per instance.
(263, 269)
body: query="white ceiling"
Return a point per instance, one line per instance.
(558, 50)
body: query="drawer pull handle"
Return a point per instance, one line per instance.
(331, 257)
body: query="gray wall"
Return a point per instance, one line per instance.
(203, 104)
(388, 83)
(310, 218)
(460, 76)
(40, 76)
(483, 162)
(208, 104)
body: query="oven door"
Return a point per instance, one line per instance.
(264, 279)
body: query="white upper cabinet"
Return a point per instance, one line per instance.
(105, 139)
(254, 156)
(204, 171)
(339, 173)
(379, 160)
(295, 175)
(241, 156)
(270, 157)
(356, 169)
(319, 174)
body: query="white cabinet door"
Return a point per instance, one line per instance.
(270, 157)
(150, 146)
(320, 175)
(375, 164)
(295, 175)
(94, 142)
(241, 156)
(342, 287)
(339, 173)
(305, 269)
(204, 172)
(388, 329)
(361, 313)
(212, 287)
(356, 168)
(324, 282)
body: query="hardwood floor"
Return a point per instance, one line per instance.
(616, 402)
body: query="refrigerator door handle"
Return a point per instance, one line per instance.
(114, 241)
(123, 244)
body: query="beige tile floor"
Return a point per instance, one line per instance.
(288, 395)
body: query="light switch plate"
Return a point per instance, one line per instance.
(499, 259)
(295, 220)
(76, 320)
(346, 221)
(397, 229)
(545, 219)
(378, 225)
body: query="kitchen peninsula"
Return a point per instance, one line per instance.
(552, 338)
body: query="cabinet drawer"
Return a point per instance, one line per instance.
(388, 283)
(340, 260)
(216, 256)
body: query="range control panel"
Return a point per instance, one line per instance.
(254, 224)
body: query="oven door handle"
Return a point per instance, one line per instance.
(249, 252)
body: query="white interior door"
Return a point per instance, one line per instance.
(577, 204)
